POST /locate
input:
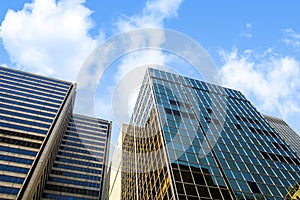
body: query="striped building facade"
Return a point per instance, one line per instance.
(79, 168)
(36, 123)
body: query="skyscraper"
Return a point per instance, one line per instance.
(285, 132)
(34, 115)
(189, 139)
(78, 170)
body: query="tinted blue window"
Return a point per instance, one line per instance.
(31, 100)
(11, 179)
(10, 119)
(15, 159)
(61, 180)
(87, 127)
(28, 105)
(61, 197)
(79, 162)
(81, 151)
(98, 133)
(83, 169)
(94, 125)
(88, 120)
(9, 190)
(25, 115)
(23, 128)
(27, 110)
(48, 86)
(85, 136)
(43, 98)
(84, 141)
(14, 169)
(79, 156)
(13, 88)
(83, 146)
(19, 151)
(31, 87)
(77, 175)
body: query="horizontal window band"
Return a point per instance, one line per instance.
(21, 135)
(30, 100)
(17, 169)
(16, 159)
(26, 110)
(76, 168)
(23, 128)
(17, 150)
(9, 190)
(72, 190)
(22, 89)
(27, 105)
(31, 86)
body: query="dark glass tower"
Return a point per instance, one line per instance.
(285, 132)
(79, 168)
(38, 131)
(189, 139)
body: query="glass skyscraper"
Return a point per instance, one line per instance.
(188, 139)
(78, 170)
(35, 127)
(285, 132)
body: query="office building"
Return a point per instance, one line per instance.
(35, 114)
(189, 139)
(285, 132)
(78, 170)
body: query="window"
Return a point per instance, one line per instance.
(254, 187)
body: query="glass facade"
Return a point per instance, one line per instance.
(194, 140)
(79, 167)
(285, 132)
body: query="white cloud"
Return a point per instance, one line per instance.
(248, 32)
(273, 82)
(292, 38)
(153, 15)
(49, 37)
(3, 65)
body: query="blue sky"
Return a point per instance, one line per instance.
(254, 44)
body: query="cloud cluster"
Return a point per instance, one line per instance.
(49, 37)
(292, 38)
(153, 15)
(272, 82)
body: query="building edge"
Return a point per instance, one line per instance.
(38, 174)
